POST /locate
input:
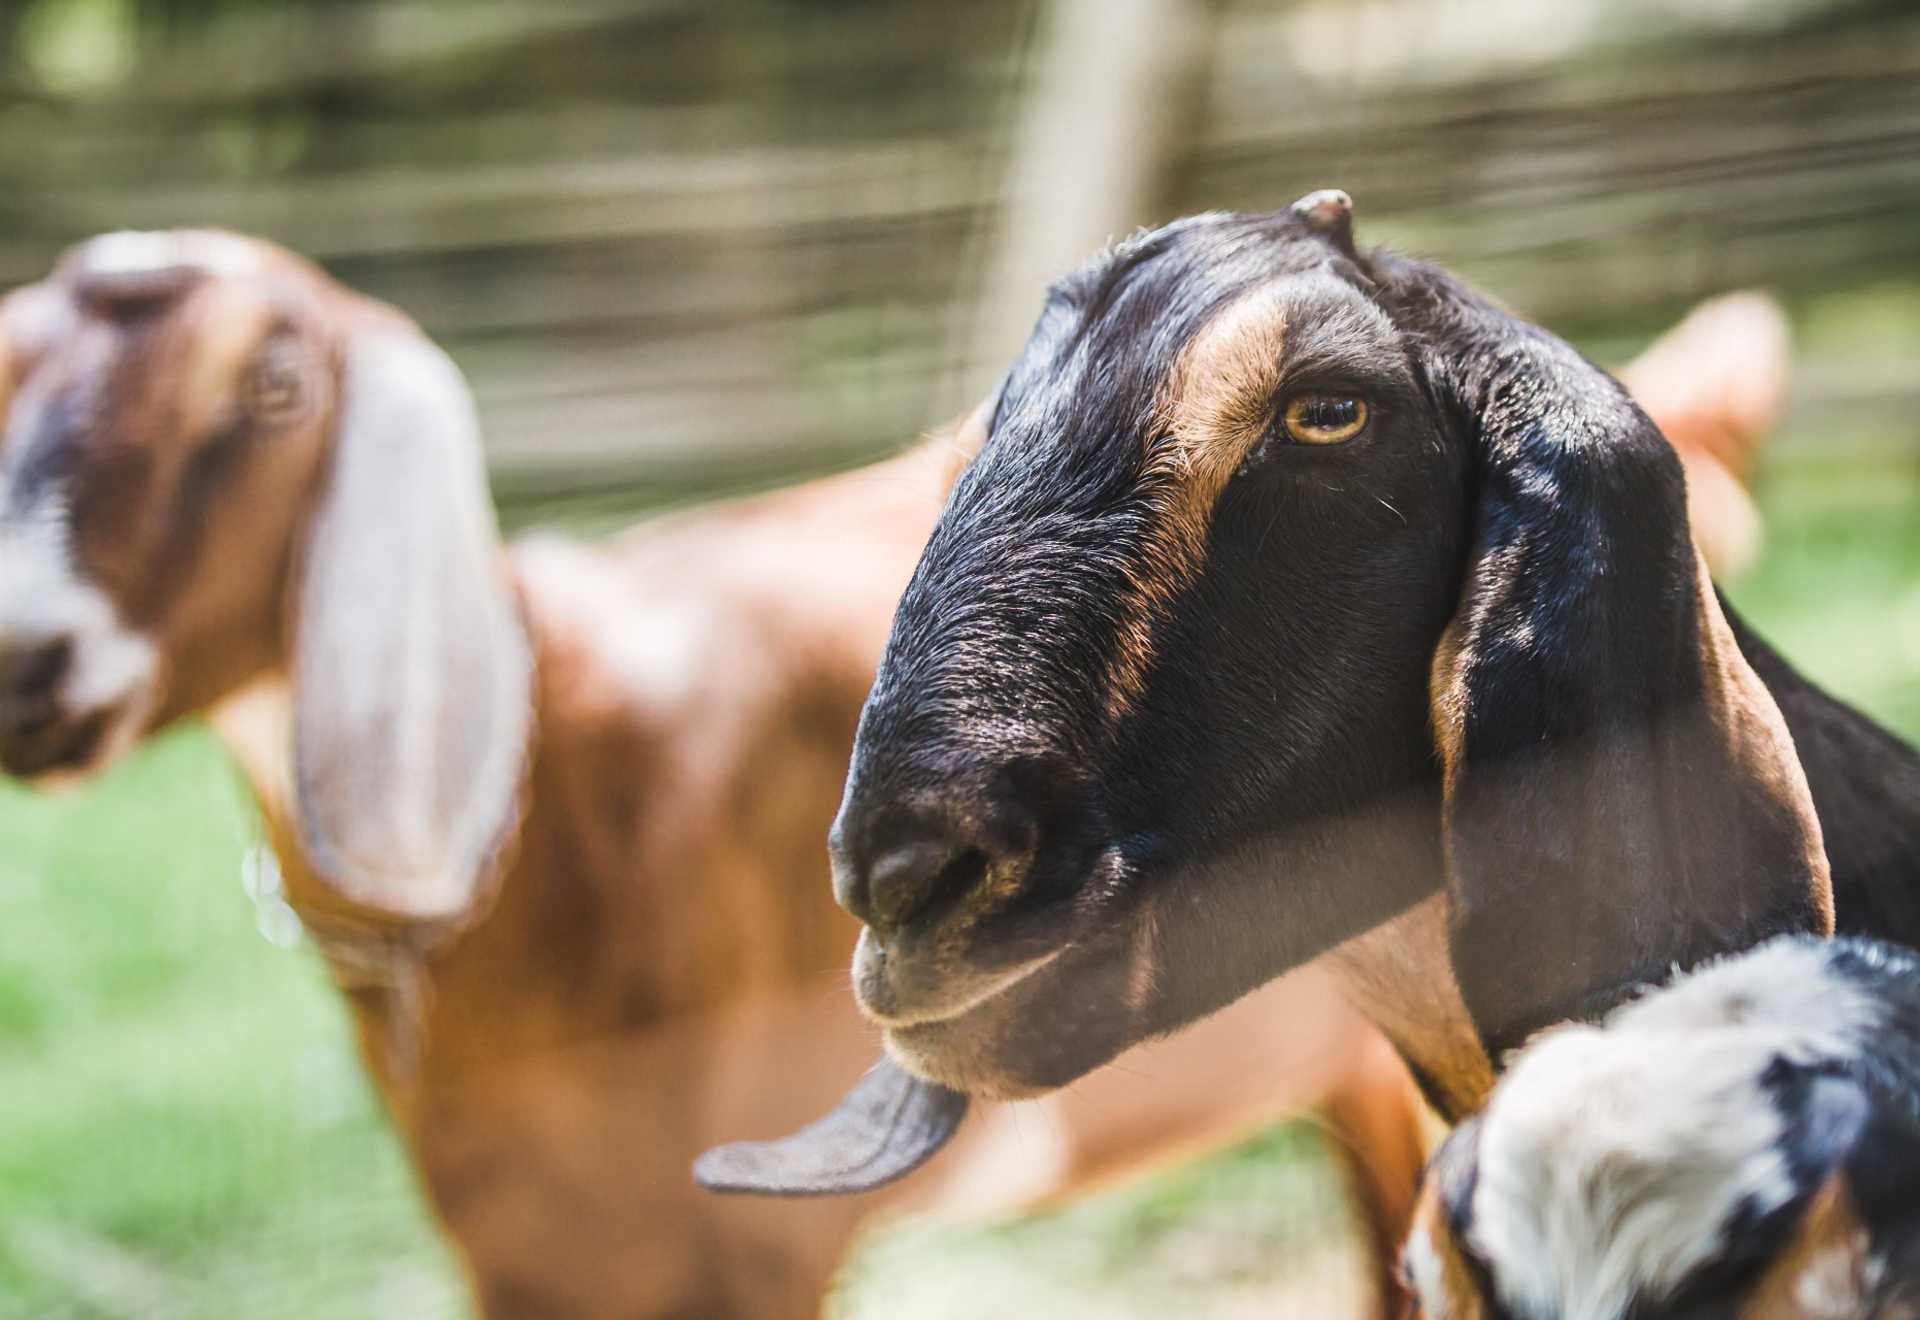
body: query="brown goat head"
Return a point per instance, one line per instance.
(216, 463)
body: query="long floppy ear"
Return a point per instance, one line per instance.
(412, 673)
(1622, 794)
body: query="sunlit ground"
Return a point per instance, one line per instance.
(186, 1133)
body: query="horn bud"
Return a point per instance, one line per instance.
(1328, 213)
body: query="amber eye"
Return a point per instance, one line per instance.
(1324, 419)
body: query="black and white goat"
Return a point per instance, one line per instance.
(1743, 1143)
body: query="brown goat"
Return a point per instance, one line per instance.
(553, 817)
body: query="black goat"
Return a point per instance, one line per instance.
(1745, 1142)
(1302, 604)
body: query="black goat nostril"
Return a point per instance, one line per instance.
(913, 881)
(962, 876)
(907, 862)
(30, 673)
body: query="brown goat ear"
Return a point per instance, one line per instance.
(1622, 794)
(412, 672)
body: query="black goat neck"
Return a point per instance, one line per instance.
(1866, 788)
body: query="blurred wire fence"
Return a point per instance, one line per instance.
(681, 244)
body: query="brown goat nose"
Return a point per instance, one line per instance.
(912, 869)
(30, 672)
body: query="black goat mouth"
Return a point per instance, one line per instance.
(965, 961)
(894, 993)
(1056, 1021)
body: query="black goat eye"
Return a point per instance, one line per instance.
(1323, 419)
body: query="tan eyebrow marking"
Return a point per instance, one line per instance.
(1212, 411)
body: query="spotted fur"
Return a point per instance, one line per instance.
(1724, 1146)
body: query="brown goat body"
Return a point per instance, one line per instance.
(586, 929)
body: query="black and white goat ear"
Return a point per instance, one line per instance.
(412, 672)
(1622, 794)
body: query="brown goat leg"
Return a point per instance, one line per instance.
(1381, 1129)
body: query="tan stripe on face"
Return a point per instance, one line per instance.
(1216, 404)
(228, 323)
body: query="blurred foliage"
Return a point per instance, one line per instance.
(715, 243)
(1259, 1231)
(189, 1133)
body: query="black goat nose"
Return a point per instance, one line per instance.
(31, 672)
(915, 868)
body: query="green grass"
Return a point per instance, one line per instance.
(187, 1132)
(1839, 588)
(1260, 1230)
(187, 1129)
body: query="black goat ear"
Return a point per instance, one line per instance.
(1621, 793)
(887, 1126)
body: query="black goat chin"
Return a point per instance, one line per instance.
(887, 1126)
